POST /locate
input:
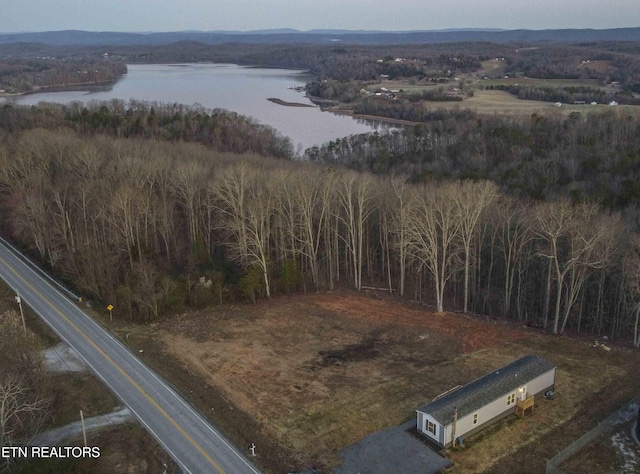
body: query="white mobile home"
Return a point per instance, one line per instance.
(468, 409)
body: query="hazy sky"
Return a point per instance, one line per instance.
(176, 15)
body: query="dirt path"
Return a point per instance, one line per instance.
(56, 436)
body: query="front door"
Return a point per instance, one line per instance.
(522, 392)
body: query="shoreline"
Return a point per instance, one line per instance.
(287, 104)
(378, 118)
(60, 87)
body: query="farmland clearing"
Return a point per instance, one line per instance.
(304, 377)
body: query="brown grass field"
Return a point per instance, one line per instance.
(303, 377)
(501, 102)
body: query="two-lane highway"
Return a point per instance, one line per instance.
(193, 442)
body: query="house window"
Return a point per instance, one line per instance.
(511, 399)
(475, 418)
(431, 428)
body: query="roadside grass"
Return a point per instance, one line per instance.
(125, 448)
(71, 392)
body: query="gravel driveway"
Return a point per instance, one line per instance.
(391, 451)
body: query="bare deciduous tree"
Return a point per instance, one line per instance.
(22, 408)
(398, 205)
(356, 195)
(21, 413)
(513, 236)
(246, 205)
(433, 229)
(578, 239)
(471, 199)
(632, 272)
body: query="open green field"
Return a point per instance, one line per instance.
(501, 102)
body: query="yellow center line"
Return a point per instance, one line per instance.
(120, 369)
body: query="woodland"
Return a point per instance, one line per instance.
(158, 208)
(27, 75)
(152, 223)
(154, 207)
(346, 62)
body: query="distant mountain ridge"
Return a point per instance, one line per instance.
(89, 38)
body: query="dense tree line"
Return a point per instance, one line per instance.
(220, 129)
(606, 62)
(24, 75)
(405, 110)
(583, 156)
(340, 62)
(330, 89)
(569, 95)
(437, 94)
(151, 226)
(618, 61)
(343, 63)
(342, 70)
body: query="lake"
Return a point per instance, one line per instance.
(228, 86)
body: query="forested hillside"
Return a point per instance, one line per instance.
(287, 35)
(594, 156)
(605, 61)
(219, 129)
(152, 225)
(26, 75)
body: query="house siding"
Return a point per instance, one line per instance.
(488, 414)
(423, 419)
(541, 384)
(480, 426)
(499, 409)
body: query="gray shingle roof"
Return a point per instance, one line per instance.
(482, 391)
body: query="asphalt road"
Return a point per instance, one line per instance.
(191, 441)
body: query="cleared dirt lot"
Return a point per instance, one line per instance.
(306, 376)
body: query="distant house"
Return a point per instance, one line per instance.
(468, 409)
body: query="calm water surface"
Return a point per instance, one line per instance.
(241, 89)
